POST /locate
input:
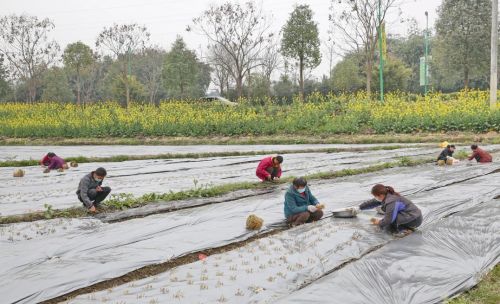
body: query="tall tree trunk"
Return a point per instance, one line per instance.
(32, 90)
(239, 86)
(126, 83)
(78, 89)
(466, 78)
(301, 77)
(369, 68)
(221, 88)
(249, 93)
(127, 91)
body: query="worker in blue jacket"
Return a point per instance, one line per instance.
(300, 205)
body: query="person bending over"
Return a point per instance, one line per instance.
(269, 168)
(446, 156)
(400, 214)
(480, 155)
(53, 162)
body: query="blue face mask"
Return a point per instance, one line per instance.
(302, 190)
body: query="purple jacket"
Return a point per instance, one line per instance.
(56, 162)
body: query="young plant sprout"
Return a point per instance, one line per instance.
(222, 299)
(239, 293)
(178, 295)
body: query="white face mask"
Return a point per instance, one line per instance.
(378, 200)
(301, 190)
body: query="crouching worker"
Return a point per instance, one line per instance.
(480, 155)
(90, 191)
(446, 156)
(401, 215)
(52, 161)
(300, 205)
(269, 168)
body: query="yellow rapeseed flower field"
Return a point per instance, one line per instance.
(319, 114)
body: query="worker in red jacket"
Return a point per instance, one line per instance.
(269, 168)
(45, 160)
(480, 155)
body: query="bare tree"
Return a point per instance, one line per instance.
(219, 60)
(237, 34)
(271, 58)
(25, 45)
(356, 22)
(122, 41)
(330, 47)
(150, 67)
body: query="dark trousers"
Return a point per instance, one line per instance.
(304, 217)
(97, 197)
(273, 171)
(410, 225)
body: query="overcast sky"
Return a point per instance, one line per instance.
(83, 20)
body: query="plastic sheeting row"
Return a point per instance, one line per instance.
(32, 192)
(442, 260)
(36, 152)
(76, 253)
(289, 266)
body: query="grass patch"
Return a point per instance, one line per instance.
(298, 138)
(126, 201)
(122, 158)
(461, 155)
(486, 292)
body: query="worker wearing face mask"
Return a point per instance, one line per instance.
(90, 190)
(300, 205)
(401, 215)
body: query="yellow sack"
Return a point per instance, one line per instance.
(18, 173)
(254, 222)
(441, 162)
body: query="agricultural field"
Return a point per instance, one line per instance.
(175, 231)
(249, 152)
(331, 114)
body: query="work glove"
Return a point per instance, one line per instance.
(312, 208)
(355, 208)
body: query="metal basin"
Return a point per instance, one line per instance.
(345, 213)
